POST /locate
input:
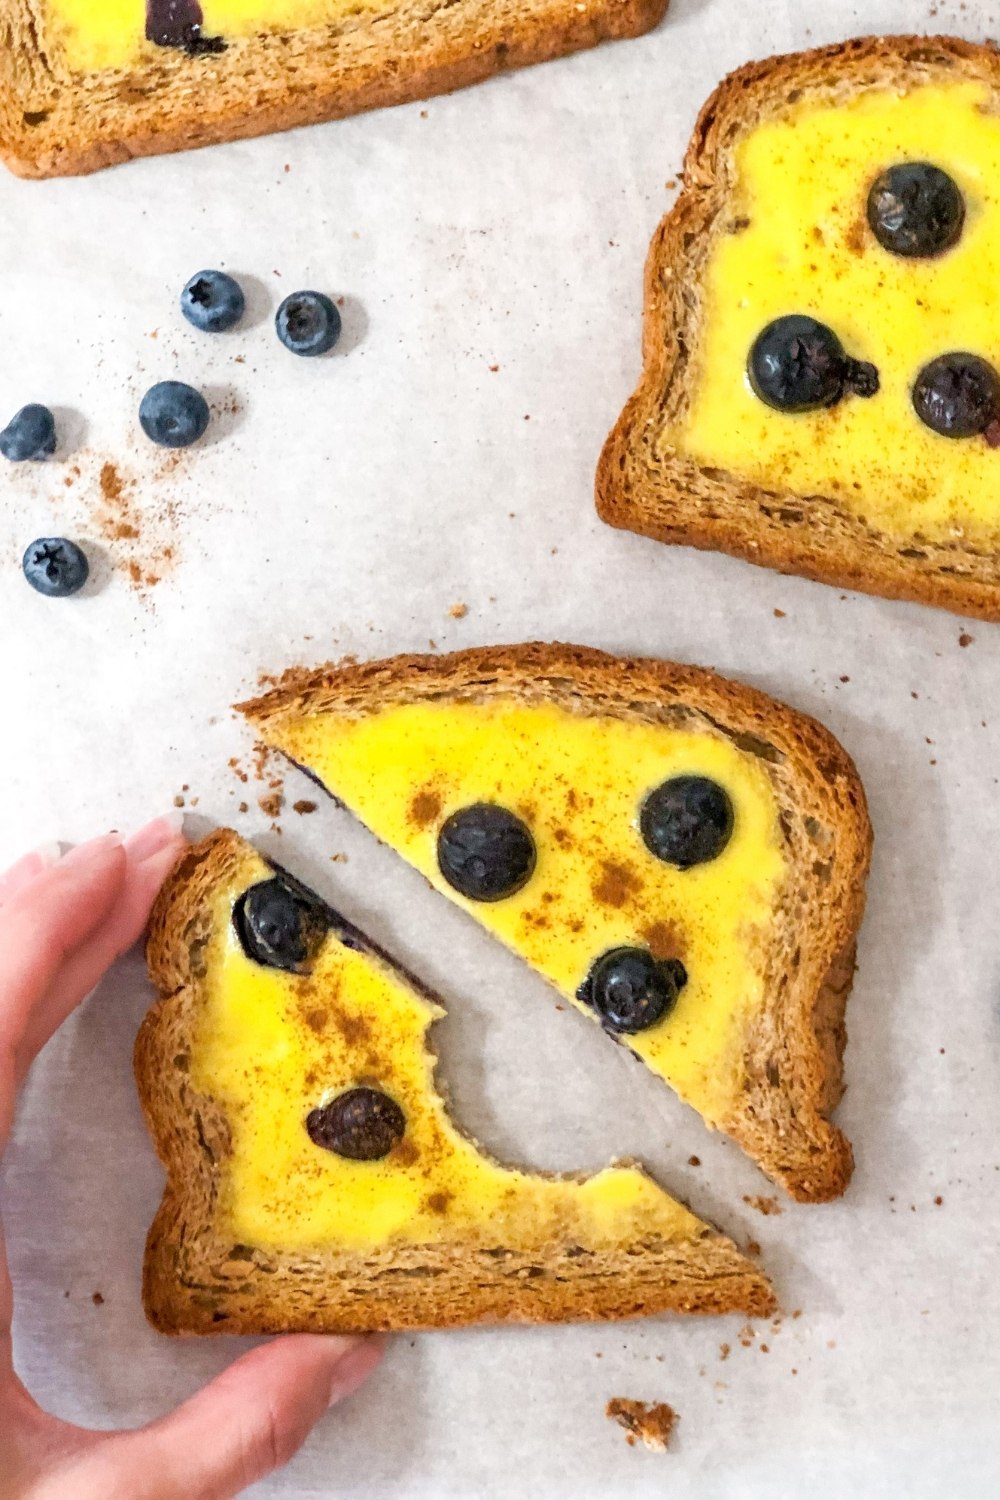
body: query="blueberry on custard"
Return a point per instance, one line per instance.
(686, 821)
(957, 395)
(915, 210)
(485, 852)
(362, 1124)
(798, 364)
(280, 924)
(631, 990)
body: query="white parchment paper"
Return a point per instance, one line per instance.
(489, 247)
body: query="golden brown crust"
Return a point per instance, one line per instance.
(54, 123)
(793, 1053)
(196, 1280)
(674, 499)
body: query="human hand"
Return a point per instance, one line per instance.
(64, 922)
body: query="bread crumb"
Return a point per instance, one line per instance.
(938, 1200)
(244, 807)
(723, 1351)
(97, 1300)
(494, 369)
(271, 806)
(338, 859)
(694, 1161)
(302, 806)
(652, 1423)
(753, 1247)
(178, 801)
(965, 639)
(458, 611)
(779, 614)
(764, 1205)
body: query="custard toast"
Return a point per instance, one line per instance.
(314, 1179)
(821, 383)
(681, 857)
(88, 83)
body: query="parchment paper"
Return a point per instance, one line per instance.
(489, 247)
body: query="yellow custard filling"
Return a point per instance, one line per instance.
(796, 240)
(272, 1046)
(578, 783)
(96, 34)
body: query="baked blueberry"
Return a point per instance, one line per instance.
(915, 209)
(280, 924)
(213, 302)
(30, 434)
(631, 990)
(687, 821)
(798, 364)
(362, 1124)
(957, 395)
(308, 323)
(173, 414)
(55, 567)
(485, 852)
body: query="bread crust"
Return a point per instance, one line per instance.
(196, 1280)
(674, 499)
(793, 1051)
(54, 123)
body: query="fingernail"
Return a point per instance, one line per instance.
(49, 854)
(354, 1365)
(82, 854)
(155, 836)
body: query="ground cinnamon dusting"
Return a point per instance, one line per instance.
(617, 885)
(652, 1423)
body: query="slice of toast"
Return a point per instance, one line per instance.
(773, 220)
(287, 1209)
(79, 92)
(757, 938)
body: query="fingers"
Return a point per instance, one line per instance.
(250, 1421)
(22, 873)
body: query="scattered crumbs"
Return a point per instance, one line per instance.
(271, 805)
(458, 611)
(831, 1343)
(723, 1351)
(913, 694)
(965, 639)
(244, 807)
(433, 645)
(797, 1313)
(185, 786)
(794, 1370)
(423, 114)
(938, 1201)
(598, 1355)
(494, 369)
(845, 679)
(239, 359)
(763, 1205)
(65, 1294)
(753, 1247)
(155, 334)
(338, 859)
(527, 417)
(141, 541)
(303, 806)
(671, 183)
(97, 1300)
(237, 769)
(779, 614)
(746, 1335)
(288, 166)
(765, 1348)
(653, 1424)
(694, 1161)
(178, 800)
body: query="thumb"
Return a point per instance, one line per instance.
(250, 1420)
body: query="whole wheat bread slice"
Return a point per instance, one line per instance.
(644, 485)
(200, 1278)
(55, 120)
(792, 1050)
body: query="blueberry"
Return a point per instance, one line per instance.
(915, 209)
(362, 1124)
(485, 852)
(31, 434)
(308, 323)
(798, 364)
(213, 301)
(631, 990)
(173, 414)
(687, 821)
(280, 924)
(957, 395)
(55, 567)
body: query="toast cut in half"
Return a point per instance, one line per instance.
(314, 1179)
(85, 84)
(800, 200)
(680, 856)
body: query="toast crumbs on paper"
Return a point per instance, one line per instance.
(651, 1423)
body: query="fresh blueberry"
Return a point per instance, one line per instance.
(485, 852)
(798, 364)
(173, 414)
(915, 209)
(31, 434)
(362, 1124)
(631, 990)
(280, 924)
(957, 395)
(213, 301)
(308, 323)
(687, 821)
(55, 567)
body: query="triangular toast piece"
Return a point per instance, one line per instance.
(743, 934)
(854, 186)
(314, 1179)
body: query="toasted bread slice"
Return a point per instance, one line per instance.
(773, 220)
(79, 92)
(572, 742)
(281, 1212)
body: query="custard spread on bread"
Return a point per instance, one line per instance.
(795, 238)
(314, 1178)
(673, 853)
